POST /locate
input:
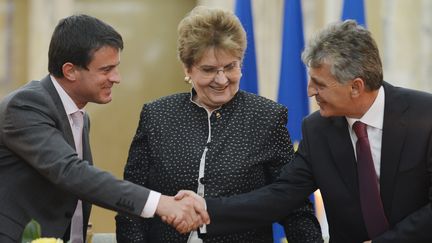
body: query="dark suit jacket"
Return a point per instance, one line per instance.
(325, 160)
(41, 176)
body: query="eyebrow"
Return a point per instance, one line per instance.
(108, 66)
(317, 82)
(211, 66)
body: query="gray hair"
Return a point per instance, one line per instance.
(350, 51)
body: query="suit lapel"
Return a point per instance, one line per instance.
(86, 141)
(65, 125)
(64, 121)
(342, 151)
(393, 138)
(66, 129)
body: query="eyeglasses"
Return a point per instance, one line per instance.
(231, 70)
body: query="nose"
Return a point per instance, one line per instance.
(220, 77)
(220, 70)
(311, 89)
(115, 76)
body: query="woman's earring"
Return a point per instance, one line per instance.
(188, 79)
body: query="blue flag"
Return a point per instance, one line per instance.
(354, 9)
(249, 80)
(293, 82)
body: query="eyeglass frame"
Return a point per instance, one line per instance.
(214, 71)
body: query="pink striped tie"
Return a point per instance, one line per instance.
(77, 235)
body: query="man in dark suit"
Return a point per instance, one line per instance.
(347, 82)
(45, 158)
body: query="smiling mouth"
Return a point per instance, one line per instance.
(219, 89)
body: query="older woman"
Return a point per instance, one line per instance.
(216, 140)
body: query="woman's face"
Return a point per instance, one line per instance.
(215, 78)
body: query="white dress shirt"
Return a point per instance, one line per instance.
(374, 119)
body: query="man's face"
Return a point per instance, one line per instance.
(332, 97)
(94, 84)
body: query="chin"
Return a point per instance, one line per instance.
(324, 113)
(103, 101)
(221, 102)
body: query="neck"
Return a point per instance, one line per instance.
(208, 108)
(364, 102)
(68, 87)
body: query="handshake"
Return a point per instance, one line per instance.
(186, 211)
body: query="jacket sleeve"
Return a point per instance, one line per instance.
(271, 203)
(34, 129)
(301, 226)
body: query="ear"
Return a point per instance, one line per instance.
(69, 71)
(358, 86)
(187, 71)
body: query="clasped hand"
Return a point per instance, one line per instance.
(185, 211)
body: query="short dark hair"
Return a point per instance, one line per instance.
(75, 40)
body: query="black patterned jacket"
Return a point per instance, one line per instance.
(249, 145)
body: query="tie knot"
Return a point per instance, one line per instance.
(77, 118)
(360, 129)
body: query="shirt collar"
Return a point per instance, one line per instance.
(68, 104)
(374, 117)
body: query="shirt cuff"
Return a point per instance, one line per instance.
(203, 228)
(151, 205)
